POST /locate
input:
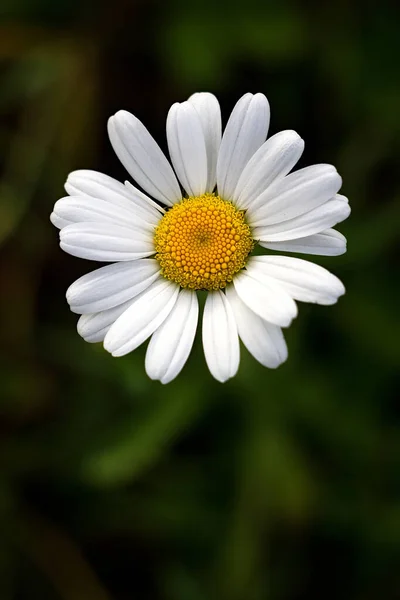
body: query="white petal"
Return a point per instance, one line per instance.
(143, 317)
(79, 209)
(327, 215)
(93, 328)
(262, 339)
(272, 161)
(295, 195)
(327, 243)
(301, 279)
(144, 201)
(143, 158)
(105, 242)
(208, 109)
(58, 221)
(93, 183)
(246, 130)
(265, 297)
(111, 285)
(97, 185)
(220, 338)
(170, 345)
(187, 147)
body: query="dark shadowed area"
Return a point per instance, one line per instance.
(279, 485)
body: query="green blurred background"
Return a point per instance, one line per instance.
(279, 485)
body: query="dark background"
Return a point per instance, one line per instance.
(279, 485)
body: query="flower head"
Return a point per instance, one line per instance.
(165, 245)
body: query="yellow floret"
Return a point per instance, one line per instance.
(201, 242)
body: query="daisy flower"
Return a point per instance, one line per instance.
(195, 229)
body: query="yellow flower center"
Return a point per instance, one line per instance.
(201, 242)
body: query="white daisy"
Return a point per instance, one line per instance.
(163, 249)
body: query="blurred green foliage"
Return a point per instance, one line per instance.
(278, 485)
